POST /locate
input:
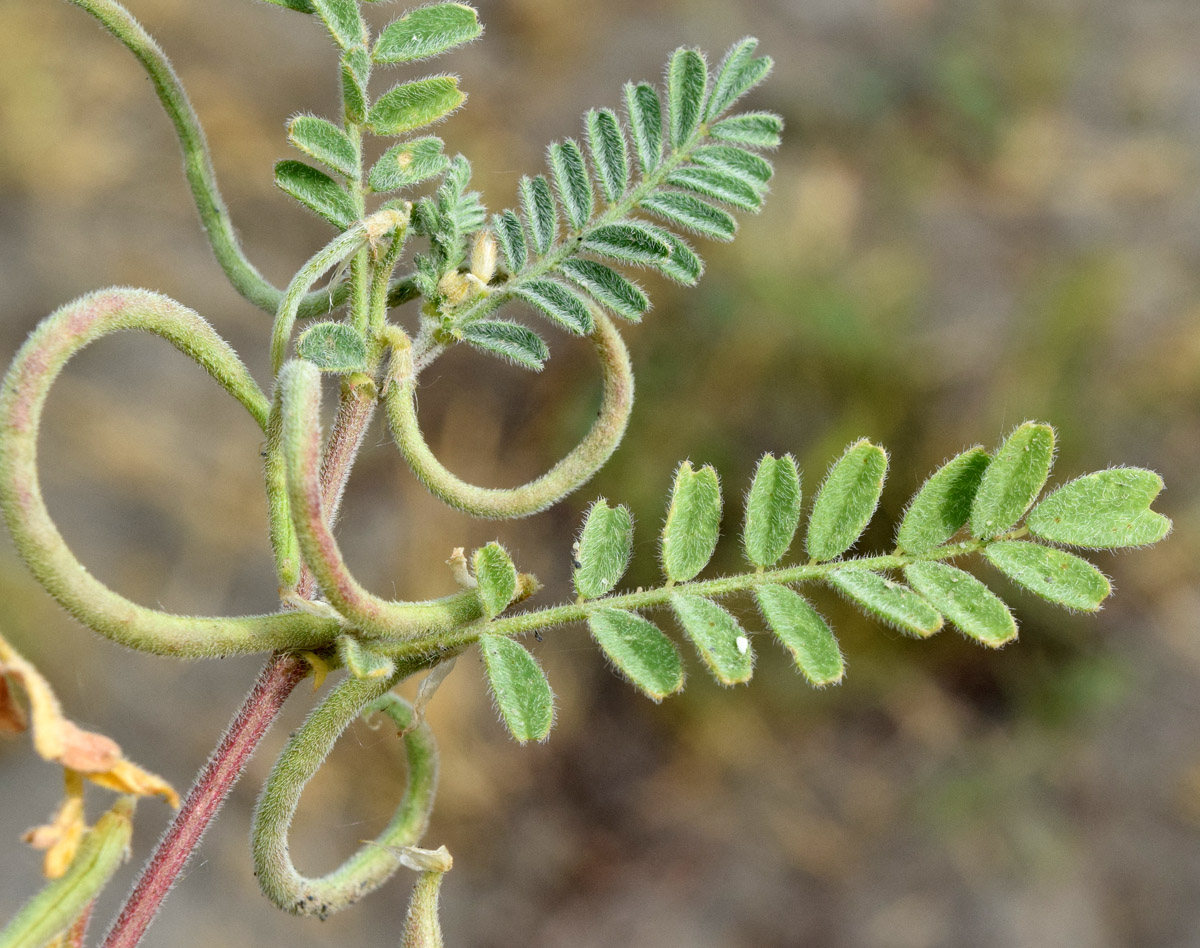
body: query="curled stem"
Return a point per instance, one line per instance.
(22, 400)
(300, 393)
(376, 861)
(570, 473)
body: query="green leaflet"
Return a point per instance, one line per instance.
(943, 504)
(362, 661)
(640, 650)
(717, 185)
(604, 548)
(1056, 575)
(408, 163)
(846, 500)
(682, 264)
(426, 32)
(324, 141)
(301, 6)
(537, 203)
(717, 636)
(645, 124)
(965, 601)
(772, 510)
(803, 632)
(519, 685)
(52, 910)
(611, 289)
(687, 79)
(497, 578)
(738, 73)
(692, 214)
(1013, 480)
(510, 234)
(571, 180)
(558, 303)
(333, 347)
(356, 72)
(1102, 511)
(756, 129)
(610, 159)
(415, 104)
(628, 242)
(891, 602)
(689, 535)
(511, 341)
(752, 170)
(316, 191)
(344, 20)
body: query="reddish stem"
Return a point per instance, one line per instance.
(275, 682)
(78, 930)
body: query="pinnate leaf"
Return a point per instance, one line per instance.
(605, 545)
(520, 687)
(324, 141)
(408, 163)
(333, 347)
(965, 601)
(415, 104)
(717, 636)
(1102, 511)
(1056, 575)
(511, 341)
(943, 504)
(693, 522)
(846, 500)
(889, 601)
(558, 303)
(803, 632)
(496, 577)
(772, 510)
(316, 191)
(1013, 480)
(687, 79)
(640, 650)
(622, 296)
(756, 129)
(426, 32)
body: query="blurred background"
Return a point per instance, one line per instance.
(983, 212)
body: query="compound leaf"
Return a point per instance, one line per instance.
(520, 687)
(640, 650)
(772, 510)
(415, 104)
(622, 296)
(717, 636)
(687, 79)
(316, 191)
(965, 601)
(324, 141)
(846, 500)
(604, 548)
(496, 577)
(891, 602)
(1012, 480)
(512, 341)
(558, 303)
(943, 504)
(571, 180)
(689, 535)
(408, 163)
(610, 159)
(1107, 510)
(427, 32)
(645, 123)
(333, 347)
(803, 632)
(1056, 575)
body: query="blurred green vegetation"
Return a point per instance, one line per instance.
(982, 213)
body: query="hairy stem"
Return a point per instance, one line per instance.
(275, 682)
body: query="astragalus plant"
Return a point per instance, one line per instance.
(417, 266)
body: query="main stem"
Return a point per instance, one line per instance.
(275, 682)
